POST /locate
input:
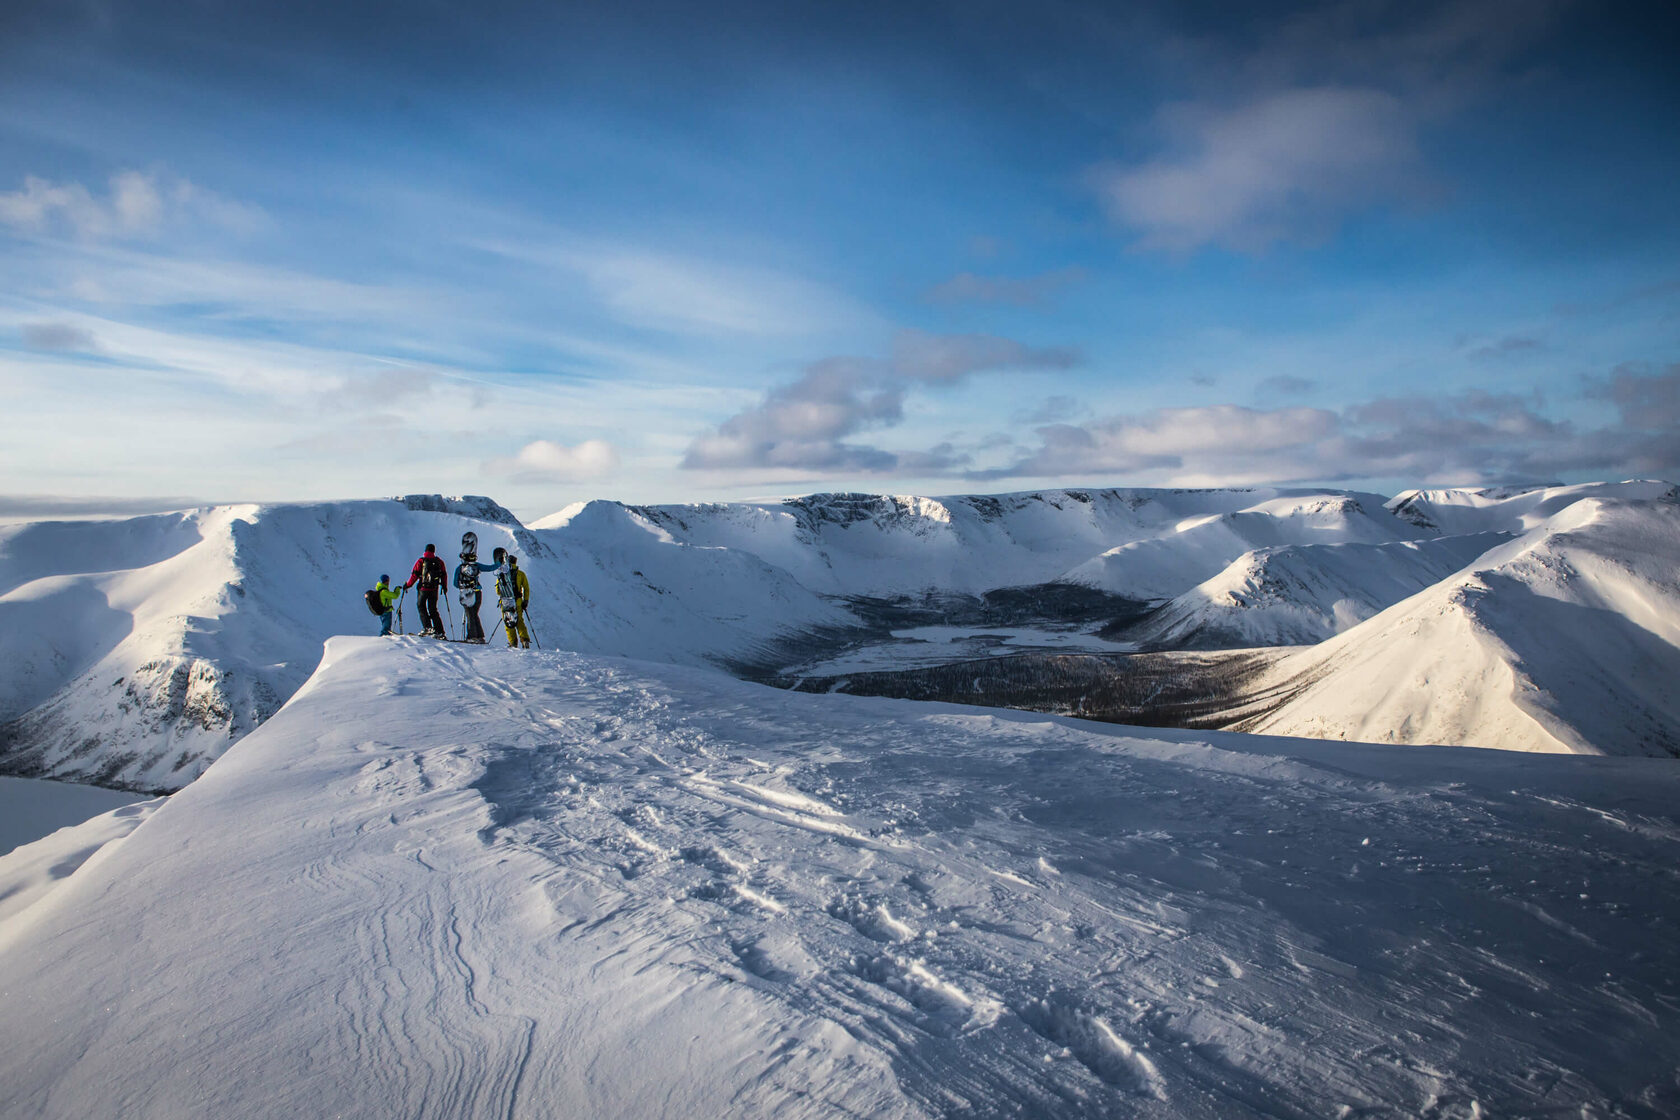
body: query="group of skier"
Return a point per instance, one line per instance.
(513, 594)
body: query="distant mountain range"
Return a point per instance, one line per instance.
(138, 650)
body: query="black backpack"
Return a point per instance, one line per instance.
(375, 601)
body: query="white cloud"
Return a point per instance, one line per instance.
(546, 461)
(805, 425)
(1467, 437)
(1223, 437)
(1317, 120)
(135, 204)
(1286, 166)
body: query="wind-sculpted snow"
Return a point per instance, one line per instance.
(1566, 639)
(457, 882)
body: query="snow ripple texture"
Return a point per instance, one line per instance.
(449, 882)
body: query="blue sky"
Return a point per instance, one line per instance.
(673, 252)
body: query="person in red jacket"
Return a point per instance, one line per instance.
(430, 573)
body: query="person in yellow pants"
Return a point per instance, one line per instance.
(514, 585)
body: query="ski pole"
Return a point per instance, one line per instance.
(530, 628)
(494, 632)
(401, 595)
(449, 611)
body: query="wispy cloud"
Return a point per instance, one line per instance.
(1320, 120)
(1648, 401)
(673, 293)
(1285, 166)
(1286, 385)
(1465, 437)
(1505, 348)
(1016, 291)
(807, 424)
(66, 337)
(134, 204)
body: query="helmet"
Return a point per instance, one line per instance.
(431, 548)
(499, 554)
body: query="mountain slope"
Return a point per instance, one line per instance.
(1567, 639)
(1302, 594)
(450, 882)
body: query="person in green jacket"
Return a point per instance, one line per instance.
(389, 598)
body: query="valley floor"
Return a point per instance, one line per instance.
(452, 881)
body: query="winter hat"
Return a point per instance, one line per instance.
(431, 548)
(384, 577)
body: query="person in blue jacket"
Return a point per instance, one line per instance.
(472, 595)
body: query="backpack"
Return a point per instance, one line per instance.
(432, 572)
(375, 602)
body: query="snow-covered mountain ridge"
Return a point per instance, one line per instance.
(138, 650)
(1566, 639)
(452, 882)
(886, 545)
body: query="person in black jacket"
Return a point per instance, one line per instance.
(430, 573)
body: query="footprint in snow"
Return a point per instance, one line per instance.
(946, 1008)
(872, 919)
(1058, 1018)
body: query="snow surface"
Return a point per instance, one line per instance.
(447, 881)
(1566, 639)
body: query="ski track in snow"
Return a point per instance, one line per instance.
(658, 891)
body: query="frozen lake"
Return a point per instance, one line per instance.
(918, 647)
